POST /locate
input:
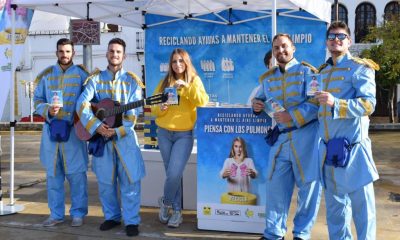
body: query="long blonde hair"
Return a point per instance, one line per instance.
(244, 148)
(190, 71)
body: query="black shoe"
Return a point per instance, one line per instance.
(297, 238)
(132, 230)
(108, 224)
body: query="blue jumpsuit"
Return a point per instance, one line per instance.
(349, 190)
(122, 163)
(290, 159)
(62, 159)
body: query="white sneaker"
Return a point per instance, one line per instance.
(163, 215)
(175, 220)
(77, 222)
(50, 222)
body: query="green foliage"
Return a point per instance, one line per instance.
(387, 52)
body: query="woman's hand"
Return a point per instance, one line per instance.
(226, 173)
(163, 107)
(251, 173)
(180, 84)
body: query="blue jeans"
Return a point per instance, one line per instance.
(175, 148)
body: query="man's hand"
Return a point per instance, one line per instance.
(282, 117)
(325, 98)
(105, 131)
(53, 110)
(257, 105)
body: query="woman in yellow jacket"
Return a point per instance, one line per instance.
(175, 132)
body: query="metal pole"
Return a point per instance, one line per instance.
(31, 100)
(12, 117)
(87, 57)
(273, 27)
(1, 190)
(87, 49)
(11, 208)
(336, 10)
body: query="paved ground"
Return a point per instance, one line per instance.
(31, 192)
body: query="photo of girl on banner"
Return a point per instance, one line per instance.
(238, 169)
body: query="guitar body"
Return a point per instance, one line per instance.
(99, 111)
(110, 113)
(80, 130)
(100, 108)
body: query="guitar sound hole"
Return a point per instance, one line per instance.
(100, 114)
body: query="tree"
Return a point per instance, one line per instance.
(387, 55)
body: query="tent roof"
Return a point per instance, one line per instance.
(130, 13)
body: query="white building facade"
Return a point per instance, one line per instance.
(359, 15)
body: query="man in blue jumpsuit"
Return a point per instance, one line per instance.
(290, 159)
(120, 165)
(347, 99)
(57, 85)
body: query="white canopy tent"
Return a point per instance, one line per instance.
(131, 13)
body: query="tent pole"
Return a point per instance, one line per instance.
(87, 57)
(87, 48)
(1, 190)
(11, 208)
(273, 18)
(12, 96)
(336, 10)
(273, 27)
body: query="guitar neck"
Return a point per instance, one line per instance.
(123, 108)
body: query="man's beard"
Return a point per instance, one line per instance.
(337, 53)
(283, 59)
(114, 65)
(66, 64)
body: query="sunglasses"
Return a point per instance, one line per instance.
(340, 36)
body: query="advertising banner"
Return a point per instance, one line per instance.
(23, 19)
(232, 158)
(228, 58)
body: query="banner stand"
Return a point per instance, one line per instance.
(6, 209)
(232, 161)
(10, 209)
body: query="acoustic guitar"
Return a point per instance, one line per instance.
(110, 112)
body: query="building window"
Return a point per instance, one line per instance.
(365, 18)
(392, 9)
(342, 12)
(139, 41)
(113, 28)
